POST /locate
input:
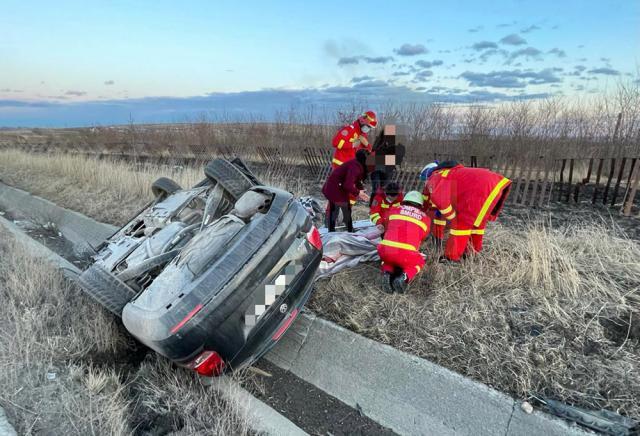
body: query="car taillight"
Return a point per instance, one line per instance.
(314, 238)
(208, 364)
(285, 325)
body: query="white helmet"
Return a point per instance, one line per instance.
(428, 170)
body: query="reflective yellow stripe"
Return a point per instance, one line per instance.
(384, 206)
(455, 232)
(490, 198)
(417, 222)
(445, 173)
(355, 137)
(396, 204)
(477, 232)
(341, 144)
(446, 211)
(398, 245)
(352, 202)
(418, 268)
(425, 197)
(452, 216)
(336, 161)
(439, 222)
(374, 218)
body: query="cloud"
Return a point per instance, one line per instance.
(556, 51)
(529, 52)
(475, 29)
(513, 39)
(604, 71)
(485, 55)
(421, 88)
(428, 64)
(378, 59)
(411, 50)
(266, 103)
(109, 82)
(348, 61)
(483, 45)
(5, 90)
(75, 93)
(423, 75)
(530, 29)
(401, 73)
(372, 84)
(512, 78)
(360, 79)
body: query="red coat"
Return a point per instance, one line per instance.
(346, 142)
(380, 207)
(344, 181)
(468, 195)
(407, 227)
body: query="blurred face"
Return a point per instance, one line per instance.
(392, 198)
(365, 128)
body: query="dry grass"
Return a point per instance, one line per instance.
(106, 190)
(50, 329)
(552, 311)
(542, 311)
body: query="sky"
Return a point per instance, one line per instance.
(68, 63)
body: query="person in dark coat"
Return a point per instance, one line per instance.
(388, 155)
(346, 180)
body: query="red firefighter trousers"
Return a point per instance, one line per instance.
(410, 262)
(459, 238)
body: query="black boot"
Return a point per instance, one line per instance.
(386, 283)
(400, 283)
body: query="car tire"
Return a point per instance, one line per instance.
(232, 178)
(112, 293)
(164, 187)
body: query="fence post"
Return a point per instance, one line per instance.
(617, 186)
(635, 183)
(570, 180)
(606, 189)
(536, 182)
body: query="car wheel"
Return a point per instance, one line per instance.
(164, 187)
(232, 178)
(106, 289)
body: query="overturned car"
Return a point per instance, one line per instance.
(212, 276)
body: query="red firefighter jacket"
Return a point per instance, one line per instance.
(380, 207)
(407, 227)
(431, 209)
(468, 195)
(344, 181)
(346, 142)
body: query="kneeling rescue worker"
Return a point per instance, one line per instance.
(408, 225)
(382, 203)
(467, 198)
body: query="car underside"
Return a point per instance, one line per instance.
(210, 276)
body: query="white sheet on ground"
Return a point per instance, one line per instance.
(345, 250)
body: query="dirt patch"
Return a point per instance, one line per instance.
(309, 407)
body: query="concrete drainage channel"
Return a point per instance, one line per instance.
(339, 370)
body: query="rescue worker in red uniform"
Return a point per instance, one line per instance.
(467, 198)
(382, 202)
(408, 225)
(352, 137)
(342, 184)
(438, 224)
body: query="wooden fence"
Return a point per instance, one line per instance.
(537, 181)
